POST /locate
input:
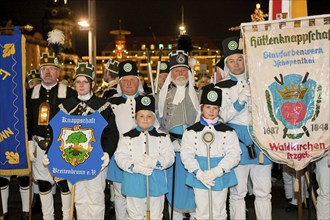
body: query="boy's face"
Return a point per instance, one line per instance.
(145, 119)
(210, 111)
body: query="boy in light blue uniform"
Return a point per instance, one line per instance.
(144, 153)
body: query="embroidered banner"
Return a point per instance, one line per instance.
(13, 139)
(289, 77)
(75, 153)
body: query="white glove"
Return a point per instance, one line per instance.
(177, 146)
(200, 175)
(105, 159)
(142, 170)
(148, 161)
(32, 151)
(244, 95)
(45, 160)
(213, 173)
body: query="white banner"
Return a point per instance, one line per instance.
(289, 76)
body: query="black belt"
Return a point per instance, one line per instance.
(175, 136)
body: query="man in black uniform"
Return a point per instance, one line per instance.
(42, 104)
(111, 77)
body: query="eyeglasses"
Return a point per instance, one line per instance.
(81, 82)
(48, 68)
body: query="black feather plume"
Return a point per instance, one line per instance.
(185, 43)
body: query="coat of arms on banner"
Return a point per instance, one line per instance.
(76, 144)
(76, 151)
(293, 103)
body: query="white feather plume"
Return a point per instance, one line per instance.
(55, 37)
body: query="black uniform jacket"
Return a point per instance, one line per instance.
(53, 97)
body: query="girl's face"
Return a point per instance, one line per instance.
(210, 111)
(145, 119)
(83, 86)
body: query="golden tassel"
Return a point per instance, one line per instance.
(296, 184)
(261, 157)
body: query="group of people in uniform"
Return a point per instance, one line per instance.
(185, 146)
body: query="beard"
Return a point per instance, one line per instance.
(180, 81)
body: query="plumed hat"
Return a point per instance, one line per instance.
(48, 59)
(178, 58)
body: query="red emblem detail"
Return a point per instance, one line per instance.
(293, 113)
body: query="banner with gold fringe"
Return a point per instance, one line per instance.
(288, 67)
(13, 138)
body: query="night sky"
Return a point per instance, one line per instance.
(210, 18)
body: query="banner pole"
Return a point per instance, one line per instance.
(73, 192)
(298, 176)
(30, 192)
(1, 208)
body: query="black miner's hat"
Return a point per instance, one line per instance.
(231, 45)
(211, 95)
(145, 103)
(127, 68)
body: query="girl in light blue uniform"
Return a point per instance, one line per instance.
(224, 155)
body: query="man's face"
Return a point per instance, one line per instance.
(49, 74)
(107, 76)
(203, 82)
(235, 64)
(129, 85)
(161, 79)
(145, 119)
(180, 76)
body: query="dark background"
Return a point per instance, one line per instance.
(210, 18)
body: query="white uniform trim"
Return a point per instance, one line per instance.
(61, 92)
